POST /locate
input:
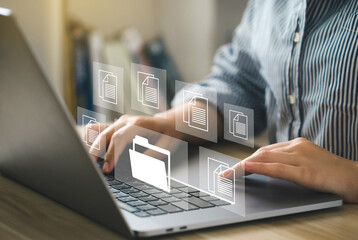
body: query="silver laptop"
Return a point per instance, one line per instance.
(40, 148)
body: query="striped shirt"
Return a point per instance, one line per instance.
(295, 63)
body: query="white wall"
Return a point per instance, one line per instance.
(42, 23)
(188, 28)
(111, 16)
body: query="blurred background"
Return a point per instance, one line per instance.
(178, 36)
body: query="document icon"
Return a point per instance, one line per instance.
(150, 164)
(221, 187)
(107, 86)
(195, 113)
(90, 131)
(238, 124)
(148, 89)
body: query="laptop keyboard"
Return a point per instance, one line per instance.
(144, 200)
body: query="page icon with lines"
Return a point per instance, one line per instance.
(150, 92)
(221, 187)
(148, 89)
(91, 131)
(195, 113)
(107, 86)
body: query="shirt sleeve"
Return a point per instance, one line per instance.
(235, 74)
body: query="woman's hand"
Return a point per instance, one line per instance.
(306, 164)
(117, 135)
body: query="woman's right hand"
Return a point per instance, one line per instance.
(119, 134)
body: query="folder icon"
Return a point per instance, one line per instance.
(152, 170)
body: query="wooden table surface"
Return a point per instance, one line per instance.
(25, 214)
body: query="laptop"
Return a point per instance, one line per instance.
(40, 148)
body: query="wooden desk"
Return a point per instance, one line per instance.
(25, 214)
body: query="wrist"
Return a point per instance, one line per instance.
(351, 182)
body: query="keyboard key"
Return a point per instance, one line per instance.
(176, 184)
(181, 195)
(185, 205)
(151, 191)
(139, 194)
(188, 189)
(157, 202)
(161, 195)
(170, 208)
(171, 199)
(120, 194)
(113, 190)
(156, 212)
(209, 198)
(220, 202)
(108, 177)
(121, 186)
(199, 202)
(130, 190)
(148, 198)
(136, 203)
(146, 207)
(127, 199)
(174, 190)
(142, 214)
(199, 194)
(112, 182)
(143, 187)
(134, 183)
(127, 207)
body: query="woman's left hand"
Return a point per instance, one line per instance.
(306, 164)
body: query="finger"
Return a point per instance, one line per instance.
(273, 156)
(263, 156)
(105, 136)
(276, 170)
(119, 141)
(276, 145)
(101, 141)
(237, 168)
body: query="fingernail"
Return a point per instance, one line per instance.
(227, 173)
(223, 174)
(247, 165)
(105, 167)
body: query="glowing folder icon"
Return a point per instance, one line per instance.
(146, 167)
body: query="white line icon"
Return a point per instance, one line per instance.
(195, 113)
(91, 131)
(238, 124)
(220, 186)
(154, 170)
(148, 89)
(107, 86)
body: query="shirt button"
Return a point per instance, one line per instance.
(296, 37)
(292, 98)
